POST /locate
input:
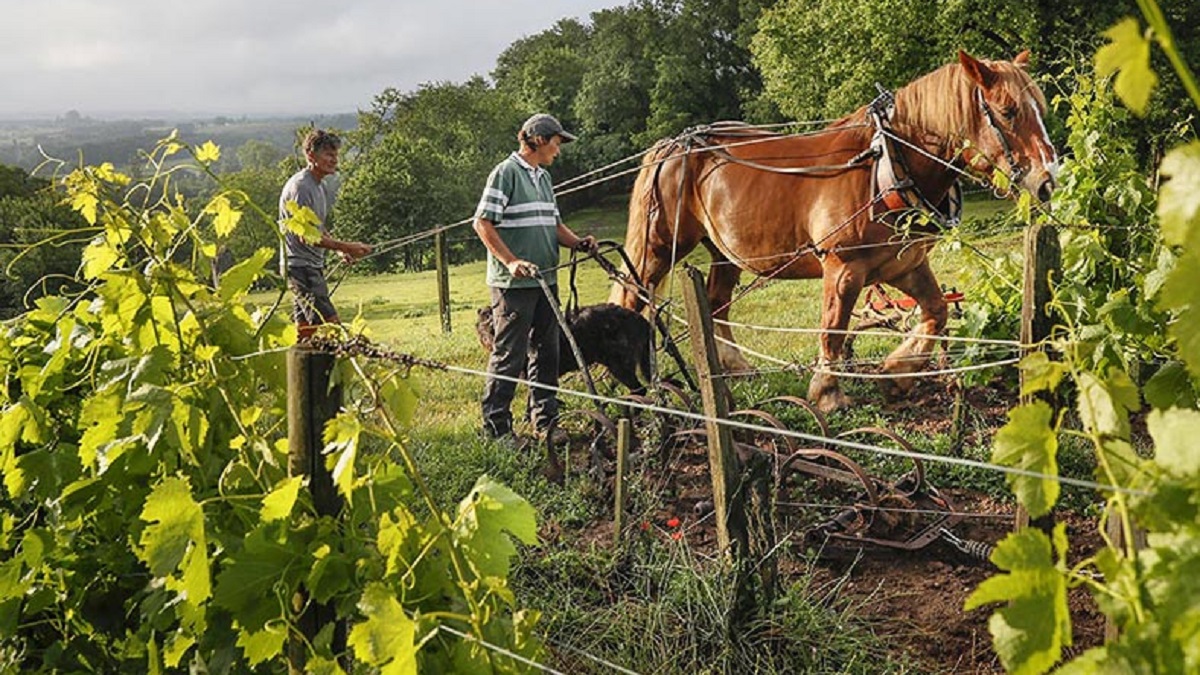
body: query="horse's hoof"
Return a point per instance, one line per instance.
(832, 401)
(825, 394)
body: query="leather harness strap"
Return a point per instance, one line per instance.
(893, 184)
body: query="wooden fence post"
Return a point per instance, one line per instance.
(722, 461)
(312, 403)
(733, 485)
(1043, 255)
(441, 254)
(624, 438)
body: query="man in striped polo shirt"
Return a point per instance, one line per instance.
(519, 223)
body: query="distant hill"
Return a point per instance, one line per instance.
(119, 141)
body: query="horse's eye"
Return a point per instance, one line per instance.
(1009, 112)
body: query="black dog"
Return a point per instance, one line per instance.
(615, 337)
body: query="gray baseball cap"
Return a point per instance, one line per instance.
(546, 126)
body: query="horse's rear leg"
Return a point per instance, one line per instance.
(723, 276)
(912, 354)
(842, 285)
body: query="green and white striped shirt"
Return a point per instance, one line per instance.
(519, 201)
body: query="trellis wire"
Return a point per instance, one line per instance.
(812, 438)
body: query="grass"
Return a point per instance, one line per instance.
(607, 601)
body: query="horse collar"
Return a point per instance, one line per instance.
(895, 189)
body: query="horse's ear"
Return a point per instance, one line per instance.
(1022, 60)
(976, 69)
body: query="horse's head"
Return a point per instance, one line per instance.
(1007, 131)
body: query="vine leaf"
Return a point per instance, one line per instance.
(252, 580)
(1128, 55)
(261, 645)
(98, 258)
(1030, 632)
(175, 540)
(399, 396)
(22, 421)
(176, 521)
(278, 504)
(176, 648)
(225, 218)
(1179, 199)
(386, 637)
(1028, 442)
(1041, 374)
(1104, 405)
(1170, 387)
(85, 202)
(1175, 432)
(330, 575)
(484, 516)
(341, 446)
(237, 279)
(1182, 293)
(303, 222)
(209, 152)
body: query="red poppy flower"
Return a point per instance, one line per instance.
(673, 523)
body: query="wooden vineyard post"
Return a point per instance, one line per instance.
(443, 278)
(722, 461)
(1042, 259)
(624, 438)
(731, 489)
(311, 403)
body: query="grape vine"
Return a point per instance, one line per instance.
(1151, 594)
(147, 518)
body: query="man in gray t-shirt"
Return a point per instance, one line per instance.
(302, 262)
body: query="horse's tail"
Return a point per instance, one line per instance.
(644, 207)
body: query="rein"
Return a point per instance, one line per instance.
(701, 136)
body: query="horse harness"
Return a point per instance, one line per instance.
(894, 187)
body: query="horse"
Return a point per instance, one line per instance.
(838, 204)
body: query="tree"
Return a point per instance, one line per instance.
(256, 154)
(40, 240)
(822, 58)
(423, 160)
(614, 97)
(707, 74)
(543, 72)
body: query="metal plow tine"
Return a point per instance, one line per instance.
(918, 467)
(771, 421)
(853, 473)
(803, 404)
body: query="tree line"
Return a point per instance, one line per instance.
(633, 74)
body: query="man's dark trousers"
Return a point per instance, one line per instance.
(526, 334)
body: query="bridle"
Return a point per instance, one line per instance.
(1016, 172)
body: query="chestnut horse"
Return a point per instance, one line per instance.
(827, 204)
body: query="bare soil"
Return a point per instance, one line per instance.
(912, 599)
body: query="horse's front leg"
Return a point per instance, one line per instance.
(723, 276)
(913, 354)
(842, 285)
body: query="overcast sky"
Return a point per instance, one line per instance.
(114, 57)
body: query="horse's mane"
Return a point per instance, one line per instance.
(943, 102)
